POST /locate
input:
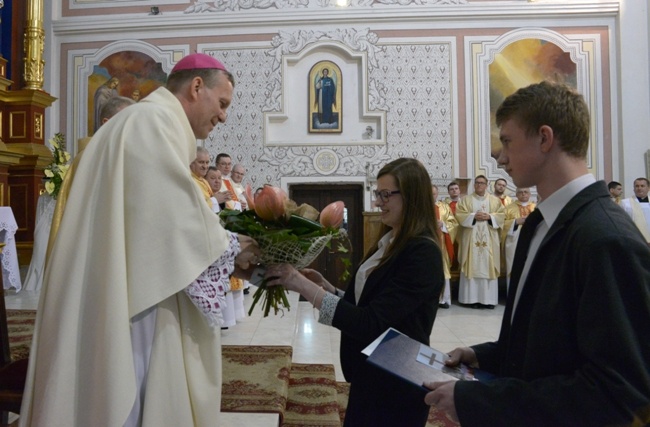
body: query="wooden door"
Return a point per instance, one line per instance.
(319, 196)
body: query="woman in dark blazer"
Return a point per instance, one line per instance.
(397, 285)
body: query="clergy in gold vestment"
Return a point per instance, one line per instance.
(500, 188)
(236, 178)
(481, 216)
(516, 214)
(136, 232)
(199, 168)
(448, 227)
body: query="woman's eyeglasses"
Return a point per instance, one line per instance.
(384, 195)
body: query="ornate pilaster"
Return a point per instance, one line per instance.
(34, 43)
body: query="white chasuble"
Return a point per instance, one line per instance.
(135, 233)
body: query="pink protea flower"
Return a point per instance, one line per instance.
(269, 203)
(248, 195)
(332, 215)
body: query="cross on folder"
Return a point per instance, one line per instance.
(431, 357)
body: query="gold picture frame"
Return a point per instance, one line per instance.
(325, 108)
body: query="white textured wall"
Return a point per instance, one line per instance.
(418, 79)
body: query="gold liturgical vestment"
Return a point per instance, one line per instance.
(448, 238)
(479, 245)
(62, 198)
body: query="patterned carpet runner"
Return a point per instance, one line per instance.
(259, 379)
(313, 396)
(20, 324)
(255, 378)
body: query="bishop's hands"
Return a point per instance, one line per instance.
(442, 392)
(248, 258)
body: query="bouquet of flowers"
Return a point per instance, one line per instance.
(286, 233)
(56, 170)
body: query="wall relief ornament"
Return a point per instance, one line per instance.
(411, 82)
(202, 6)
(314, 161)
(288, 43)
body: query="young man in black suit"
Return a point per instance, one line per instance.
(574, 346)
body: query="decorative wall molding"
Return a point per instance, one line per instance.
(106, 18)
(80, 67)
(413, 87)
(201, 6)
(412, 72)
(582, 49)
(292, 43)
(292, 53)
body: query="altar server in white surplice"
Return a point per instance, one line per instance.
(481, 217)
(127, 331)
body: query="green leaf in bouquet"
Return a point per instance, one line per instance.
(302, 226)
(347, 263)
(296, 241)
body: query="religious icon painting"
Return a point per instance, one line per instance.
(325, 98)
(130, 74)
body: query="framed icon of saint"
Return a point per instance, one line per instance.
(325, 98)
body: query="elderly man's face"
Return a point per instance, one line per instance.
(200, 165)
(523, 195)
(237, 174)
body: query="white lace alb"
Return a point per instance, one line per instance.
(208, 291)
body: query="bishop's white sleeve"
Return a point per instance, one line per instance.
(208, 291)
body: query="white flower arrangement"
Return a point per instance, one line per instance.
(55, 172)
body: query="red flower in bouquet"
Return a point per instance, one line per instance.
(286, 233)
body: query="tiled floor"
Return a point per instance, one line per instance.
(316, 343)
